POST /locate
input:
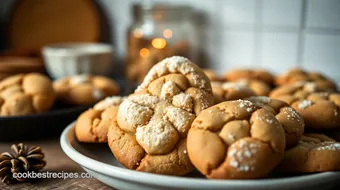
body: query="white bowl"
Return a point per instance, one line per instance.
(67, 59)
(98, 160)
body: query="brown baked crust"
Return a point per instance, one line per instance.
(230, 91)
(298, 75)
(85, 89)
(24, 94)
(92, 125)
(319, 110)
(312, 154)
(235, 140)
(261, 75)
(152, 124)
(259, 87)
(291, 121)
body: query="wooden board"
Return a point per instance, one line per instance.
(35, 23)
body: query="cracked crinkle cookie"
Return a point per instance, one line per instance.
(85, 89)
(299, 89)
(236, 140)
(92, 125)
(230, 91)
(256, 74)
(291, 121)
(152, 125)
(313, 153)
(298, 75)
(25, 94)
(320, 110)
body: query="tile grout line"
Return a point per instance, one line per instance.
(257, 29)
(302, 35)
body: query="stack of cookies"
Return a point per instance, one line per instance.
(245, 125)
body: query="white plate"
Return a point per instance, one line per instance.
(98, 160)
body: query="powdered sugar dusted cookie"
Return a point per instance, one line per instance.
(152, 124)
(236, 140)
(291, 121)
(319, 110)
(93, 124)
(230, 91)
(85, 89)
(313, 153)
(298, 75)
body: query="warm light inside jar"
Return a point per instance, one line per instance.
(158, 43)
(144, 52)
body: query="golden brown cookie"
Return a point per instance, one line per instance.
(85, 89)
(24, 94)
(237, 74)
(152, 125)
(312, 154)
(212, 75)
(236, 140)
(260, 88)
(299, 89)
(230, 91)
(320, 110)
(298, 75)
(291, 121)
(92, 125)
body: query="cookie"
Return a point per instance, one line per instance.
(299, 89)
(236, 140)
(312, 154)
(298, 75)
(152, 124)
(230, 91)
(92, 125)
(291, 121)
(212, 75)
(260, 88)
(85, 89)
(25, 94)
(257, 74)
(319, 110)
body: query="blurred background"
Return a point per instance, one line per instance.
(219, 34)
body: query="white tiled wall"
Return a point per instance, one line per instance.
(273, 34)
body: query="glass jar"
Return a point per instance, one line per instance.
(159, 31)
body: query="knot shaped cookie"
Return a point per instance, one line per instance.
(212, 75)
(320, 110)
(92, 125)
(256, 74)
(235, 140)
(24, 94)
(299, 89)
(152, 124)
(230, 91)
(259, 87)
(85, 89)
(298, 75)
(313, 153)
(291, 121)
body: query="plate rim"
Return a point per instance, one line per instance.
(164, 180)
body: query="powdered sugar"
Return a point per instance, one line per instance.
(98, 94)
(310, 87)
(169, 89)
(179, 118)
(79, 79)
(241, 157)
(329, 146)
(305, 104)
(145, 100)
(248, 105)
(183, 101)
